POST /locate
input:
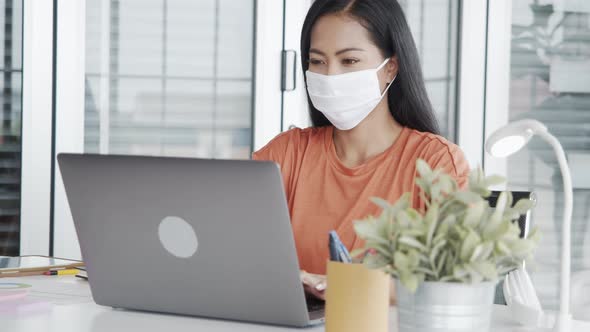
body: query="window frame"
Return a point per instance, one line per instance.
(37, 123)
(70, 94)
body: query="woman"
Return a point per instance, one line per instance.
(371, 121)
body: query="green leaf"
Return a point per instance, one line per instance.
(447, 183)
(375, 261)
(435, 192)
(495, 224)
(358, 253)
(426, 271)
(494, 180)
(460, 272)
(368, 232)
(482, 251)
(409, 280)
(412, 242)
(521, 248)
(382, 249)
(404, 219)
(481, 191)
(502, 203)
(467, 197)
(391, 271)
(414, 258)
(473, 275)
(486, 269)
(474, 214)
(423, 184)
(430, 220)
(524, 205)
(412, 232)
(476, 179)
(401, 261)
(502, 248)
(383, 204)
(509, 200)
(423, 169)
(494, 234)
(402, 204)
(469, 244)
(435, 251)
(534, 235)
(441, 262)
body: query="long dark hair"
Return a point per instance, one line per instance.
(387, 26)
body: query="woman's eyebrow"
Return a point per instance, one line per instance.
(315, 50)
(348, 49)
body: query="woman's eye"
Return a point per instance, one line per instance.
(350, 61)
(315, 61)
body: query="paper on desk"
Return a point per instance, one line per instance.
(357, 299)
(58, 290)
(24, 306)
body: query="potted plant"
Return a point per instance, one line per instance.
(446, 258)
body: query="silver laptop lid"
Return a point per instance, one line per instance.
(187, 236)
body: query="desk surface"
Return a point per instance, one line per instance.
(64, 304)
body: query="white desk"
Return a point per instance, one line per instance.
(71, 309)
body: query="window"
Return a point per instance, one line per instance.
(550, 82)
(165, 78)
(169, 77)
(434, 25)
(10, 133)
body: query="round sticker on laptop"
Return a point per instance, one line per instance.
(178, 237)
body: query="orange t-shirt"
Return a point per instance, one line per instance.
(323, 194)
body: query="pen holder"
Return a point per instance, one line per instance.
(357, 299)
(445, 307)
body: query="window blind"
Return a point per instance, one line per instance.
(10, 133)
(169, 77)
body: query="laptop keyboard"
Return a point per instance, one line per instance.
(314, 304)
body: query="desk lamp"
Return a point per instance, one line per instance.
(506, 141)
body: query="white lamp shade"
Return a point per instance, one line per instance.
(506, 146)
(512, 137)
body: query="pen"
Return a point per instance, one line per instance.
(61, 272)
(338, 251)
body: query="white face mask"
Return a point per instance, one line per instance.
(346, 99)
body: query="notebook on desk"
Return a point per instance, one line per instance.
(18, 266)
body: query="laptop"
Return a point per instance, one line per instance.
(208, 238)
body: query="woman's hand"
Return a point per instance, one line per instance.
(314, 284)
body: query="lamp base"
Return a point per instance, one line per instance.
(563, 323)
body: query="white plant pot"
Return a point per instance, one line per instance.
(445, 307)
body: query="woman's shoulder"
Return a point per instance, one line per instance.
(438, 152)
(429, 140)
(292, 140)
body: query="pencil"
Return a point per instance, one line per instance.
(61, 272)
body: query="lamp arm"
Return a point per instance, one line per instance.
(562, 323)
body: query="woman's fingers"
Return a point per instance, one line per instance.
(314, 280)
(314, 292)
(320, 286)
(314, 284)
